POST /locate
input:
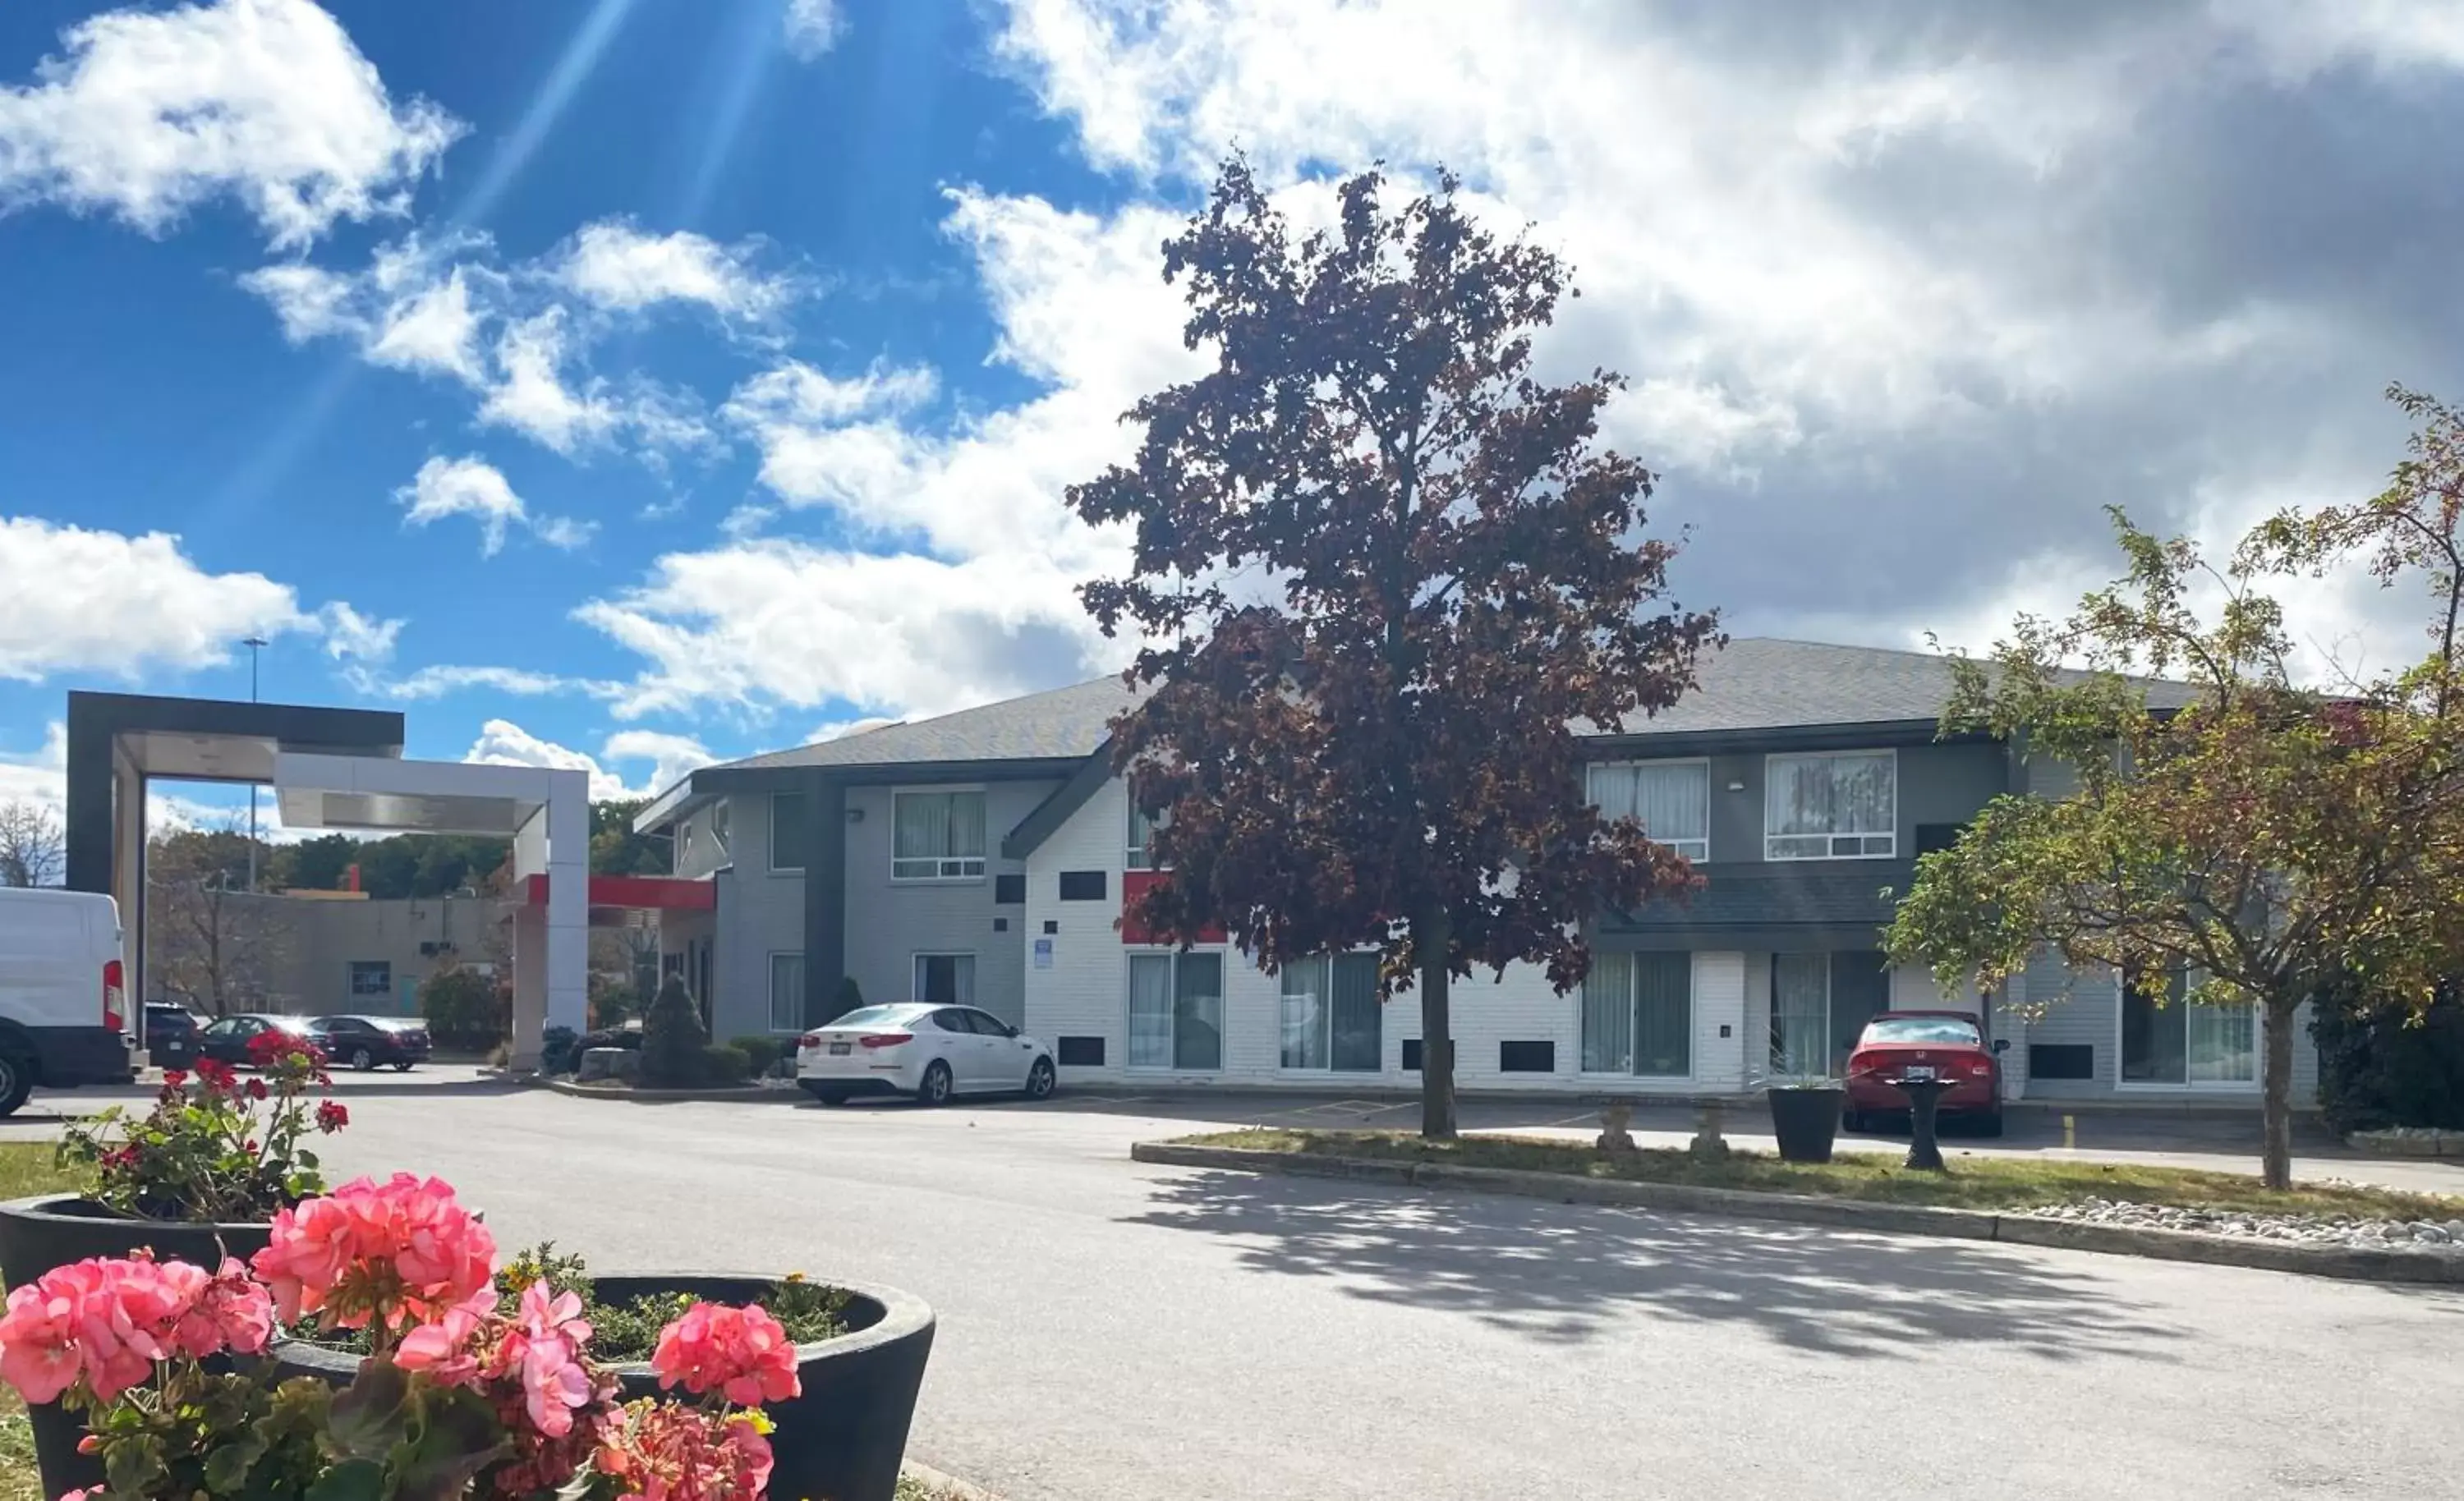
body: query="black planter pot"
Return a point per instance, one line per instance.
(58, 1229)
(841, 1439)
(1806, 1119)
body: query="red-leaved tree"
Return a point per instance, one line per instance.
(1385, 579)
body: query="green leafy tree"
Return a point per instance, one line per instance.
(615, 849)
(1385, 576)
(2269, 845)
(673, 1039)
(464, 1009)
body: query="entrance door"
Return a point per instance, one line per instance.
(1860, 987)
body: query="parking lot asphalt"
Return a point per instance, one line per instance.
(1114, 1332)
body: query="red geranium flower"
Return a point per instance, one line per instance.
(331, 1117)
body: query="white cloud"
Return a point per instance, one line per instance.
(310, 301)
(532, 397)
(91, 600)
(471, 487)
(40, 775)
(503, 743)
(812, 28)
(437, 329)
(613, 265)
(150, 114)
(353, 637)
(671, 756)
(439, 680)
(772, 622)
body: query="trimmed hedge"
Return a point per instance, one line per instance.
(721, 1066)
(761, 1054)
(2377, 1071)
(673, 1043)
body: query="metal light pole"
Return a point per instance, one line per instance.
(255, 644)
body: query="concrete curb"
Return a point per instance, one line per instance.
(655, 1097)
(945, 1485)
(2350, 1263)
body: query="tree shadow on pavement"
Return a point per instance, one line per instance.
(1567, 1273)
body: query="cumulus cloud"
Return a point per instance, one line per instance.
(504, 743)
(532, 398)
(670, 755)
(353, 637)
(812, 28)
(440, 680)
(471, 487)
(615, 265)
(89, 601)
(147, 113)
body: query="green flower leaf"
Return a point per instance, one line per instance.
(351, 1480)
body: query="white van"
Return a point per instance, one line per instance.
(63, 1012)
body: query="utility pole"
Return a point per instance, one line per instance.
(255, 644)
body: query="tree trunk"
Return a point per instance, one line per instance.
(1431, 937)
(2276, 1152)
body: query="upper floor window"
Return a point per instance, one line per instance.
(788, 831)
(1839, 805)
(1672, 799)
(936, 835)
(1142, 829)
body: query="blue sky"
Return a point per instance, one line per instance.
(645, 381)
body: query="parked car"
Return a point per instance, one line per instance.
(927, 1052)
(227, 1040)
(63, 1022)
(365, 1042)
(172, 1035)
(1925, 1045)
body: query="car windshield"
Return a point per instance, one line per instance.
(879, 1016)
(1947, 1030)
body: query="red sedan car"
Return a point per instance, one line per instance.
(1924, 1044)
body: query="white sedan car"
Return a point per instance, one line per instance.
(925, 1051)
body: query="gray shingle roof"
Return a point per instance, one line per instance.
(1757, 683)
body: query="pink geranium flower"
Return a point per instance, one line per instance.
(445, 1348)
(403, 1246)
(740, 1352)
(109, 1321)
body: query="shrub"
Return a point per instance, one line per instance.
(761, 1054)
(465, 1010)
(2376, 1071)
(672, 1039)
(719, 1067)
(560, 1050)
(214, 1148)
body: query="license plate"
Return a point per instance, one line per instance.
(840, 1050)
(1918, 1070)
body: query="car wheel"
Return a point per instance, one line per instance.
(1990, 1124)
(363, 1059)
(1040, 1079)
(936, 1085)
(16, 1082)
(1853, 1122)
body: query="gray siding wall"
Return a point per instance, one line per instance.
(760, 912)
(2091, 1015)
(702, 840)
(889, 923)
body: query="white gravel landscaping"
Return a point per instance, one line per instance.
(2444, 1236)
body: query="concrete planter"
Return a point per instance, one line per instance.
(841, 1439)
(2408, 1142)
(58, 1229)
(1805, 1121)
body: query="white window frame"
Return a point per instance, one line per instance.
(916, 975)
(2213, 1086)
(983, 863)
(772, 999)
(772, 856)
(1326, 964)
(1136, 857)
(1693, 1048)
(1866, 838)
(1223, 1004)
(1696, 850)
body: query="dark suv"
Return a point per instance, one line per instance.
(170, 1035)
(363, 1042)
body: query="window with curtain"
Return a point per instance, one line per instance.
(1671, 800)
(1142, 836)
(786, 993)
(1176, 1011)
(788, 831)
(936, 835)
(1800, 1015)
(1638, 1016)
(2174, 1041)
(1831, 807)
(1332, 1016)
(945, 979)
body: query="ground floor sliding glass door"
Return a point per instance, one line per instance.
(1820, 1006)
(2169, 1039)
(1638, 1016)
(1177, 1010)
(1331, 1014)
